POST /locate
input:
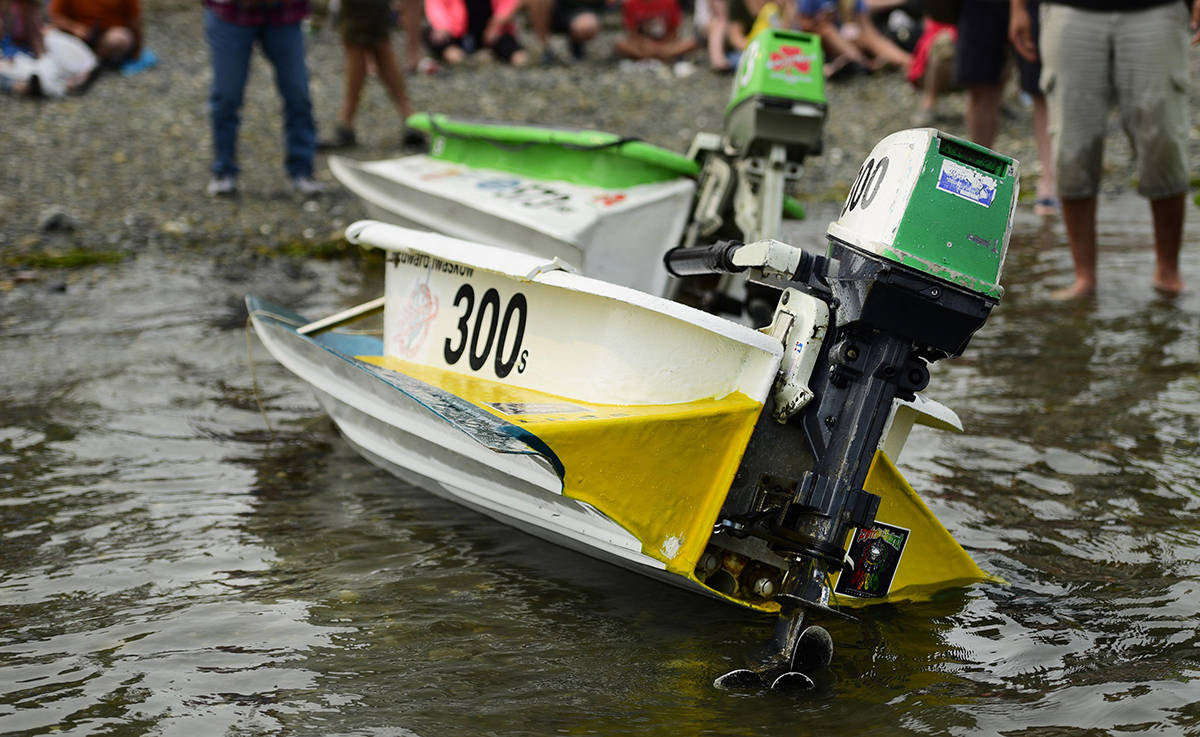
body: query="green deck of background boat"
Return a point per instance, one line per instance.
(583, 157)
(591, 158)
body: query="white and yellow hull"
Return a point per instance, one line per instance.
(603, 419)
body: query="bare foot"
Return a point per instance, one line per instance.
(1169, 287)
(1078, 290)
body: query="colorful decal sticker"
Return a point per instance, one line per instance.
(537, 408)
(790, 64)
(527, 194)
(610, 199)
(876, 554)
(441, 174)
(412, 326)
(498, 183)
(967, 183)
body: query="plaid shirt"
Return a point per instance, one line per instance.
(259, 12)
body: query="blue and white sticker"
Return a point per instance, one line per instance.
(970, 184)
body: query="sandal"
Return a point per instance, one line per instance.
(1046, 206)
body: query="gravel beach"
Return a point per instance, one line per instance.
(123, 167)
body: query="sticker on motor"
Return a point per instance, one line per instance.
(876, 553)
(967, 183)
(790, 64)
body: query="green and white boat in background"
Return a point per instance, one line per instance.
(607, 205)
(601, 203)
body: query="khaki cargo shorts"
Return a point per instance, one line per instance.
(1137, 59)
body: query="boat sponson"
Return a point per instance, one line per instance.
(488, 430)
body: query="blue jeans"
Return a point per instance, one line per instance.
(229, 47)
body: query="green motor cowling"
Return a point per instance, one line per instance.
(934, 212)
(936, 204)
(778, 95)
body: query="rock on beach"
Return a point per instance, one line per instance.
(126, 163)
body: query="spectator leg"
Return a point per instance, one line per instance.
(356, 76)
(393, 80)
(284, 47)
(1168, 214)
(412, 15)
(229, 48)
(1079, 217)
(983, 112)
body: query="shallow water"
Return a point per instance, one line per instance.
(170, 565)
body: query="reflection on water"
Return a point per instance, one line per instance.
(169, 565)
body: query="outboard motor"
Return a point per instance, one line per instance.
(912, 270)
(774, 119)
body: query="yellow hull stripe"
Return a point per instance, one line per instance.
(662, 472)
(659, 471)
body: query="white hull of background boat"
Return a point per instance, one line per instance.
(613, 234)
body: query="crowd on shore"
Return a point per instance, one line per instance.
(938, 47)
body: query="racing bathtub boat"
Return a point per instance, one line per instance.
(753, 466)
(607, 205)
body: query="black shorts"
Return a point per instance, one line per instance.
(981, 56)
(365, 22)
(1031, 71)
(562, 16)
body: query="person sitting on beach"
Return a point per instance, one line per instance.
(578, 19)
(112, 28)
(652, 31)
(458, 28)
(364, 26)
(851, 41)
(64, 67)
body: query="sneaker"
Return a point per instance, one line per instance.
(225, 186)
(343, 137)
(578, 52)
(306, 186)
(415, 139)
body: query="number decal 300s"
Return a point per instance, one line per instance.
(477, 340)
